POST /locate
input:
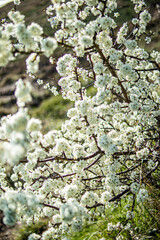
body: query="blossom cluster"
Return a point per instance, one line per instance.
(108, 145)
(12, 203)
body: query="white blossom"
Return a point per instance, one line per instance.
(109, 141)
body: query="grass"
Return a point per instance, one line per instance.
(144, 225)
(52, 112)
(24, 231)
